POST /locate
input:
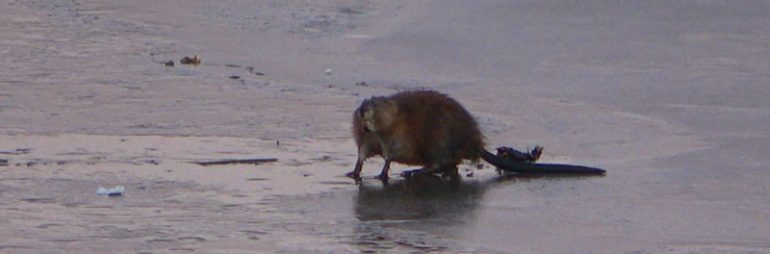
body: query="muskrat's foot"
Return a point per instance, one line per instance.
(355, 176)
(382, 177)
(408, 173)
(413, 172)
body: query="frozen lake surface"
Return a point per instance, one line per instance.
(671, 97)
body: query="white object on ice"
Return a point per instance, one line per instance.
(114, 191)
(328, 71)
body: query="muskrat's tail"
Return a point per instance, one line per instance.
(538, 168)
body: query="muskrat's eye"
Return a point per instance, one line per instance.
(366, 129)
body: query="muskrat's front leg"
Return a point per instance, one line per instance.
(384, 173)
(356, 173)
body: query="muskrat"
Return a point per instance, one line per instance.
(423, 127)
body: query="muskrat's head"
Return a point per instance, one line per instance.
(375, 114)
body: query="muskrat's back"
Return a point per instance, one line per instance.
(434, 129)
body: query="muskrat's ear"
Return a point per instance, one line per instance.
(359, 113)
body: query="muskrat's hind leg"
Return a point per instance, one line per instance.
(411, 172)
(356, 173)
(384, 173)
(452, 173)
(425, 170)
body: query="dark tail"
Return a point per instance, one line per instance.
(539, 168)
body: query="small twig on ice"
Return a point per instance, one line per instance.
(236, 161)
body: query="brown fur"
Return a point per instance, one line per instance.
(423, 128)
